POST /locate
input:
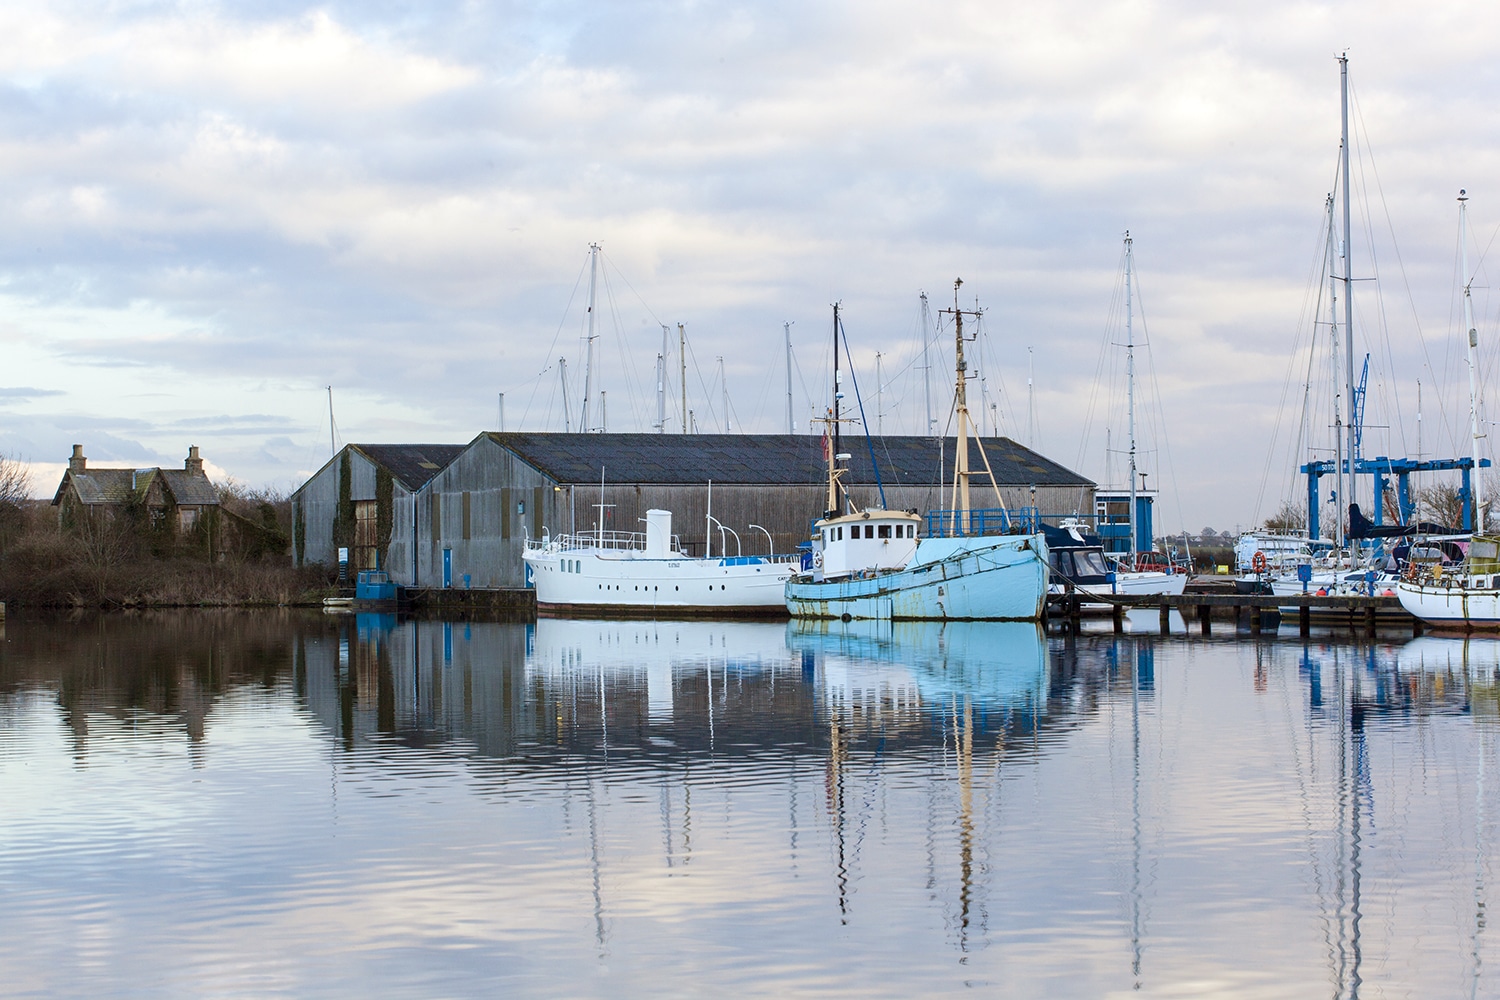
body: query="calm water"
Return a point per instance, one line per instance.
(205, 804)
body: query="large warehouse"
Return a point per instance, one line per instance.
(471, 517)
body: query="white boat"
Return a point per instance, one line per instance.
(1469, 599)
(872, 564)
(609, 572)
(1077, 558)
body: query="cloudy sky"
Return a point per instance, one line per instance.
(213, 211)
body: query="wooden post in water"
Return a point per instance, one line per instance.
(1166, 618)
(1118, 611)
(1255, 619)
(1304, 621)
(1370, 621)
(1204, 613)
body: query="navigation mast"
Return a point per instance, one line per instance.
(961, 473)
(1130, 389)
(588, 361)
(1473, 338)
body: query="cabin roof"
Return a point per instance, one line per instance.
(769, 459)
(114, 486)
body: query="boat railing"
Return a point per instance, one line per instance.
(619, 541)
(983, 521)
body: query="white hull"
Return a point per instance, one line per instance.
(1458, 606)
(588, 580)
(1134, 585)
(991, 578)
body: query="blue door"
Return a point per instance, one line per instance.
(447, 568)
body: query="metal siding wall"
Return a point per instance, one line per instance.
(320, 504)
(361, 477)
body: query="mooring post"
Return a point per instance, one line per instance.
(1304, 621)
(1166, 618)
(1370, 620)
(1416, 626)
(1119, 616)
(1203, 619)
(1255, 619)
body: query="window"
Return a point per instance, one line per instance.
(869, 531)
(884, 531)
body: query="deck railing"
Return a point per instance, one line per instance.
(983, 521)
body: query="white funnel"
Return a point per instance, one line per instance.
(658, 534)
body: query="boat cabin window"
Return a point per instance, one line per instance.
(884, 531)
(1089, 563)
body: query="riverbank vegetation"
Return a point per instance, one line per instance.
(128, 559)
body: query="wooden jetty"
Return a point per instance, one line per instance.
(1262, 610)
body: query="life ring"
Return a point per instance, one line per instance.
(1258, 563)
(818, 560)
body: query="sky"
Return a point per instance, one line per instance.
(213, 212)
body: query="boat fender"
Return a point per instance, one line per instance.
(1322, 592)
(1258, 562)
(1388, 592)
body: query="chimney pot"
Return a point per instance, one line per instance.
(193, 463)
(78, 463)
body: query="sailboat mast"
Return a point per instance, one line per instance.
(660, 423)
(588, 360)
(1473, 337)
(791, 423)
(1352, 431)
(1338, 418)
(1130, 390)
(682, 364)
(927, 368)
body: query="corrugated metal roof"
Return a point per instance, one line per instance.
(413, 464)
(770, 459)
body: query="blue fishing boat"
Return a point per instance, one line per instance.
(969, 564)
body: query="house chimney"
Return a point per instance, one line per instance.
(78, 463)
(193, 463)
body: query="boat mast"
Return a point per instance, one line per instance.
(682, 363)
(834, 498)
(1338, 418)
(791, 423)
(562, 376)
(588, 360)
(1349, 497)
(1130, 391)
(1463, 250)
(661, 384)
(333, 449)
(927, 368)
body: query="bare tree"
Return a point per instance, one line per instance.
(15, 481)
(1442, 503)
(1290, 517)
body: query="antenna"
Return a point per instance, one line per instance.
(332, 448)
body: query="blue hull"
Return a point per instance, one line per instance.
(988, 578)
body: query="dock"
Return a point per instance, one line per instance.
(1359, 612)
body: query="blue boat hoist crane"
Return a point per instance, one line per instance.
(1383, 470)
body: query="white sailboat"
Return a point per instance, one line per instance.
(1128, 576)
(1469, 599)
(871, 563)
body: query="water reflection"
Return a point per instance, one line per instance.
(572, 806)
